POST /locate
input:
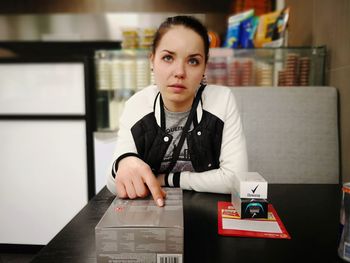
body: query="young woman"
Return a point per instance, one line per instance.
(178, 132)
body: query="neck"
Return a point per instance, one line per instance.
(177, 107)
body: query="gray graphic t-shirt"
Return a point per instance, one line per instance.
(175, 122)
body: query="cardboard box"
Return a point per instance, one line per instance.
(139, 231)
(249, 207)
(250, 185)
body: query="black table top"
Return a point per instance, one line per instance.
(310, 214)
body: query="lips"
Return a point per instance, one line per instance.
(177, 86)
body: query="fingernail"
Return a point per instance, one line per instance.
(160, 202)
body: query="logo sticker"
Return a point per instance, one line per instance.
(253, 190)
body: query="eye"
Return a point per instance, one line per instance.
(193, 61)
(167, 58)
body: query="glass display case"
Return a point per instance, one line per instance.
(121, 73)
(302, 66)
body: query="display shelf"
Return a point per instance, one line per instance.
(301, 66)
(121, 73)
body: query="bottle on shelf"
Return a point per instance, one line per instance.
(119, 74)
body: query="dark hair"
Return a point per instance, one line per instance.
(188, 22)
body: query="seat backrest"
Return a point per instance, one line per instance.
(291, 132)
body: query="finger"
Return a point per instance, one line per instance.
(140, 187)
(121, 192)
(164, 193)
(130, 189)
(160, 179)
(155, 188)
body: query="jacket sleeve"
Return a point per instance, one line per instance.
(233, 158)
(125, 146)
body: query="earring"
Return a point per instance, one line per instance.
(152, 77)
(204, 80)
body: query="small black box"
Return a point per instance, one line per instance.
(254, 208)
(249, 207)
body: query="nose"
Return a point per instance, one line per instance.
(180, 71)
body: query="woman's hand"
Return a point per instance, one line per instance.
(135, 179)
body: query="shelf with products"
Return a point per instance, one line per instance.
(121, 73)
(299, 66)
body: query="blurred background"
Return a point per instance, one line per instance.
(67, 67)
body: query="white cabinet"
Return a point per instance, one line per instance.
(43, 153)
(42, 88)
(43, 179)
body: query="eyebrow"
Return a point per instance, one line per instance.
(172, 53)
(194, 55)
(168, 51)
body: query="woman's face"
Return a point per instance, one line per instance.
(178, 67)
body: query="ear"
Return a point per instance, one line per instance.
(151, 60)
